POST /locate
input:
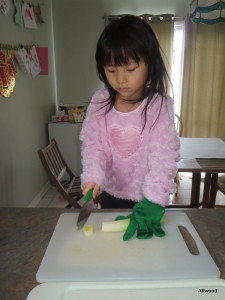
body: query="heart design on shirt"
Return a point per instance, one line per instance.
(126, 140)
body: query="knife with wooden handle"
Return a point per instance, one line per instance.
(86, 209)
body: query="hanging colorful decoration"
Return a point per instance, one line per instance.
(4, 6)
(28, 61)
(7, 72)
(28, 16)
(31, 60)
(18, 18)
(35, 67)
(207, 11)
(38, 14)
(42, 53)
(22, 59)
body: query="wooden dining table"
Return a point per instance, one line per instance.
(202, 155)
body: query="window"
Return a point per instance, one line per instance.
(177, 64)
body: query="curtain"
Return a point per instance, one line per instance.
(164, 31)
(203, 99)
(163, 26)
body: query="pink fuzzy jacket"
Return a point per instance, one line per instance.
(125, 161)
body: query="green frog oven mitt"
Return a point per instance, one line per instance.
(145, 219)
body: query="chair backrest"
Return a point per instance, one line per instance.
(53, 161)
(58, 171)
(179, 125)
(221, 183)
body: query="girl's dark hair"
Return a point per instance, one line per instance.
(130, 37)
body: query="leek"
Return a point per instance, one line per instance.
(121, 225)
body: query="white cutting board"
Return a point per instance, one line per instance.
(71, 256)
(132, 290)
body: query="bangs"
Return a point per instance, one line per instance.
(114, 55)
(118, 44)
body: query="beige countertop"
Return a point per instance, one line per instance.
(26, 232)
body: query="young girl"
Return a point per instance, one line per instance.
(129, 141)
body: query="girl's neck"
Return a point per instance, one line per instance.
(122, 105)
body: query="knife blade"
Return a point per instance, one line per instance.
(86, 209)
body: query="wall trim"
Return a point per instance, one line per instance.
(40, 195)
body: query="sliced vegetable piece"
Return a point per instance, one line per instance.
(88, 230)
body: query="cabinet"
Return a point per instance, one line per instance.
(67, 138)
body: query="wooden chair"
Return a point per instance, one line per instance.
(221, 186)
(179, 128)
(179, 125)
(60, 175)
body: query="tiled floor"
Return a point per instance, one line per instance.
(53, 199)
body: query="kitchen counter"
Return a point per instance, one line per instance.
(26, 232)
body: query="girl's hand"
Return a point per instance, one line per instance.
(91, 185)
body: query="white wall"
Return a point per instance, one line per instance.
(24, 115)
(77, 26)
